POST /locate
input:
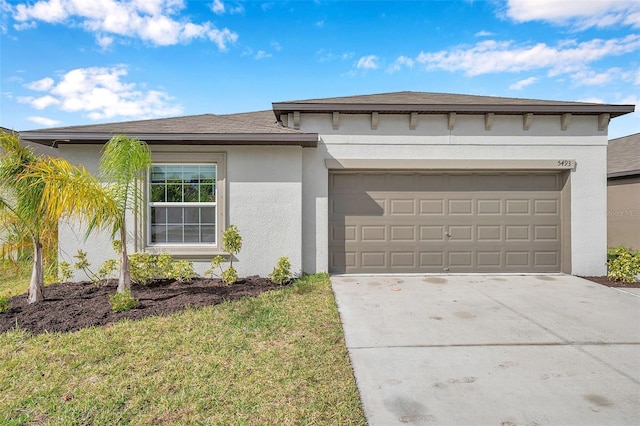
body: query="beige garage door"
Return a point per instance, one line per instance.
(403, 222)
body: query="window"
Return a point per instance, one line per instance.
(183, 207)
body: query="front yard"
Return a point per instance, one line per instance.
(278, 358)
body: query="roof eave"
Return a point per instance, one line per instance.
(305, 140)
(281, 108)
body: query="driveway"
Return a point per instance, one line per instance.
(492, 350)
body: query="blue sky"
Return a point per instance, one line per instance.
(71, 62)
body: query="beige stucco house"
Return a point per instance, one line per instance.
(406, 182)
(623, 192)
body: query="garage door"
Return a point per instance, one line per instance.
(407, 222)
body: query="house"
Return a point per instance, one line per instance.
(623, 192)
(406, 182)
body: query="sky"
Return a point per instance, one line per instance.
(75, 62)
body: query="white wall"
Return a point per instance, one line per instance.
(264, 200)
(431, 139)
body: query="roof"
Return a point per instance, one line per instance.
(434, 103)
(623, 156)
(252, 128)
(265, 127)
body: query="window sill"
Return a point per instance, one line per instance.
(187, 252)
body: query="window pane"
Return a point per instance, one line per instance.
(192, 215)
(191, 234)
(158, 215)
(174, 174)
(208, 233)
(174, 215)
(190, 174)
(208, 214)
(174, 234)
(174, 193)
(191, 193)
(158, 193)
(158, 234)
(207, 193)
(157, 174)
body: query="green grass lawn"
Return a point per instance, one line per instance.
(279, 358)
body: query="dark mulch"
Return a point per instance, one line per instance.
(73, 306)
(609, 283)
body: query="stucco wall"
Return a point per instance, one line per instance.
(432, 139)
(263, 199)
(623, 212)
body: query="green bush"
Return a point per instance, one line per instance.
(122, 302)
(282, 272)
(623, 264)
(146, 267)
(4, 303)
(231, 243)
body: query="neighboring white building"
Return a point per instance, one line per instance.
(405, 182)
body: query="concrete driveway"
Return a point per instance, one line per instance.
(492, 350)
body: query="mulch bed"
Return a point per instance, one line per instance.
(72, 306)
(608, 283)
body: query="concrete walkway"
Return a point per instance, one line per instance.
(492, 350)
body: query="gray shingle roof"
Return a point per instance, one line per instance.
(252, 128)
(623, 156)
(435, 103)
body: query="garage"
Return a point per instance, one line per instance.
(458, 221)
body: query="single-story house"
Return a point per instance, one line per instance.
(623, 192)
(406, 182)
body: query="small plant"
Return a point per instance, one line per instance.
(143, 267)
(107, 269)
(282, 272)
(122, 302)
(623, 265)
(180, 270)
(231, 243)
(4, 303)
(64, 271)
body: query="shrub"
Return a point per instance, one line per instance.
(282, 272)
(231, 243)
(146, 267)
(64, 272)
(4, 303)
(122, 302)
(143, 268)
(180, 270)
(623, 265)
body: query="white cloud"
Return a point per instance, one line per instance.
(153, 21)
(100, 93)
(43, 121)
(217, 7)
(220, 8)
(325, 55)
(582, 14)
(483, 34)
(261, 54)
(369, 62)
(41, 85)
(592, 78)
(523, 83)
(398, 64)
(492, 56)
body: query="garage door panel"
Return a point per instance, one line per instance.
(461, 222)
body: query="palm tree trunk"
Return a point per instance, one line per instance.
(124, 281)
(36, 293)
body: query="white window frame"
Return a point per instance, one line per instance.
(194, 249)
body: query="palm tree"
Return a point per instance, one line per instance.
(124, 160)
(40, 192)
